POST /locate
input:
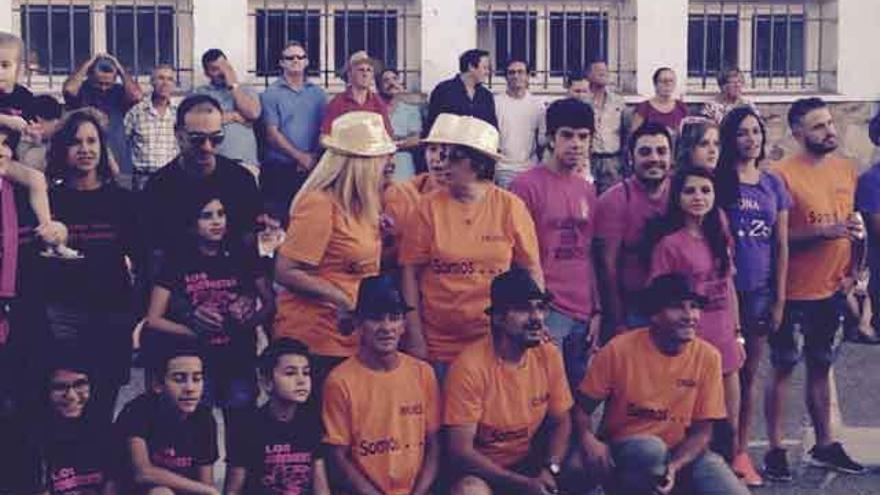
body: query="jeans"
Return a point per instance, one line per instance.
(571, 336)
(639, 460)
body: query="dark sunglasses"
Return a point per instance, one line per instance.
(294, 57)
(197, 138)
(457, 155)
(77, 385)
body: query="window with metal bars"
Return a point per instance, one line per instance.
(372, 30)
(56, 38)
(141, 37)
(276, 27)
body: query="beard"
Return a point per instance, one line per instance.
(819, 147)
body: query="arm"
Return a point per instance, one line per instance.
(156, 314)
(415, 338)
(695, 443)
(609, 253)
(320, 483)
(463, 453)
(205, 473)
(557, 448)
(74, 83)
(597, 455)
(428, 471)
(276, 139)
(354, 479)
(234, 484)
(636, 122)
(51, 232)
(299, 277)
(246, 105)
(266, 312)
(147, 474)
(781, 274)
(133, 93)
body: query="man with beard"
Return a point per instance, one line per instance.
(821, 229)
(661, 387)
(381, 408)
(507, 401)
(622, 217)
(563, 206)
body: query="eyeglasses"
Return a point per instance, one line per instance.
(196, 139)
(294, 57)
(80, 386)
(457, 155)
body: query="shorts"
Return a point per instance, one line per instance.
(811, 330)
(755, 311)
(571, 336)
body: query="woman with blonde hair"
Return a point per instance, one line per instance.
(333, 240)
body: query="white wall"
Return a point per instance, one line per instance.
(220, 25)
(6, 16)
(858, 57)
(661, 40)
(449, 27)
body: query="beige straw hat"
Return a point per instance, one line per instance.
(472, 132)
(359, 134)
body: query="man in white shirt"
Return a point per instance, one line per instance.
(605, 159)
(520, 122)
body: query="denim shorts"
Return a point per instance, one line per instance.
(755, 308)
(811, 330)
(570, 335)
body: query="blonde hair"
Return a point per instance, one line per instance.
(9, 39)
(354, 181)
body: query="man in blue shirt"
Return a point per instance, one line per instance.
(293, 109)
(868, 204)
(465, 94)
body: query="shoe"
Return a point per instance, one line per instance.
(860, 337)
(834, 457)
(776, 465)
(742, 466)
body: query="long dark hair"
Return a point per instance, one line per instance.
(727, 187)
(57, 168)
(692, 133)
(713, 227)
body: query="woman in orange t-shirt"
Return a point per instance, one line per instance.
(333, 239)
(457, 240)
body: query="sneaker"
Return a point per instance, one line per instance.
(834, 457)
(776, 465)
(742, 466)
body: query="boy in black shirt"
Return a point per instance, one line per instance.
(170, 438)
(275, 449)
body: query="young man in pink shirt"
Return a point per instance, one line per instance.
(622, 216)
(563, 206)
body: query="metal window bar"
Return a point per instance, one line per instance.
(782, 35)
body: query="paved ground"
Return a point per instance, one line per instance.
(857, 409)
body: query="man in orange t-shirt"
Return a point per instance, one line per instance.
(821, 229)
(381, 408)
(662, 391)
(507, 399)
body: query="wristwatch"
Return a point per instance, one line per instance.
(233, 86)
(553, 466)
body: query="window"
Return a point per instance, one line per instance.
(712, 44)
(779, 46)
(514, 34)
(57, 37)
(141, 37)
(276, 27)
(372, 30)
(575, 39)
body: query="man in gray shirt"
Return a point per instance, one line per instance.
(241, 108)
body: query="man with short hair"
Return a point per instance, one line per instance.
(380, 406)
(622, 216)
(359, 94)
(94, 85)
(507, 401)
(576, 85)
(662, 391)
(563, 206)
(520, 120)
(198, 170)
(605, 158)
(465, 94)
(149, 128)
(821, 231)
(293, 108)
(240, 104)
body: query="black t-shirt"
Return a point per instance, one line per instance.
(279, 457)
(18, 103)
(102, 226)
(168, 196)
(70, 457)
(181, 446)
(217, 282)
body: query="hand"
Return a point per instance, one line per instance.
(229, 73)
(242, 309)
(597, 458)
(777, 312)
(834, 231)
(52, 233)
(268, 222)
(208, 318)
(666, 485)
(233, 117)
(855, 229)
(594, 334)
(534, 486)
(14, 121)
(548, 480)
(305, 161)
(114, 60)
(34, 132)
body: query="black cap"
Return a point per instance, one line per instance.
(380, 295)
(668, 290)
(515, 288)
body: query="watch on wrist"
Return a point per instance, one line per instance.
(554, 467)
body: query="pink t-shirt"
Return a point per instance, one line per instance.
(682, 252)
(622, 214)
(564, 210)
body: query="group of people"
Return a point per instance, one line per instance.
(450, 331)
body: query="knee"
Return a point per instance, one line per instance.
(470, 485)
(640, 452)
(160, 490)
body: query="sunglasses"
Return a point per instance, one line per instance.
(457, 155)
(196, 139)
(294, 57)
(80, 385)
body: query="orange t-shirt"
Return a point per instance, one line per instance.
(384, 417)
(822, 195)
(401, 199)
(344, 250)
(464, 246)
(506, 401)
(647, 392)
